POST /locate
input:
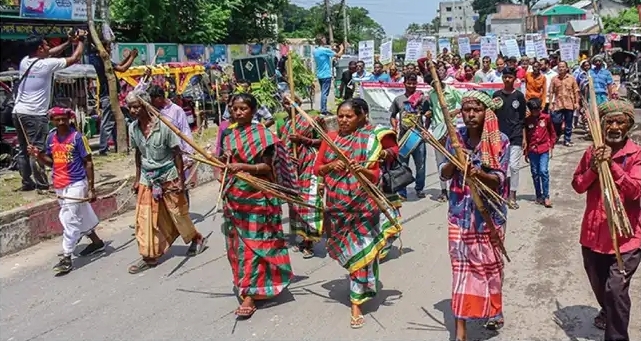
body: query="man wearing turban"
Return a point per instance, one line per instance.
(611, 286)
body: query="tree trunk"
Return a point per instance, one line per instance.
(121, 128)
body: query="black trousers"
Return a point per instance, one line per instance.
(36, 129)
(612, 289)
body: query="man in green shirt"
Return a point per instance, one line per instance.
(162, 211)
(436, 119)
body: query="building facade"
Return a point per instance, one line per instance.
(508, 19)
(456, 18)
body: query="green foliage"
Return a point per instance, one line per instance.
(629, 17)
(299, 22)
(194, 21)
(303, 77)
(265, 92)
(399, 45)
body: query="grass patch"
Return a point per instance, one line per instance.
(109, 159)
(8, 184)
(207, 135)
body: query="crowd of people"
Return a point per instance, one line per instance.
(330, 169)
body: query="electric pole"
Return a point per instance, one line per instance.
(330, 30)
(345, 23)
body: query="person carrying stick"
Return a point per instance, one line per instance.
(162, 211)
(67, 152)
(477, 266)
(609, 284)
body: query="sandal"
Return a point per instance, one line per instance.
(599, 320)
(197, 248)
(245, 313)
(512, 204)
(494, 324)
(141, 266)
(307, 253)
(357, 322)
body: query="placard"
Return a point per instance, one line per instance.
(413, 50)
(366, 53)
(444, 43)
(428, 44)
(464, 46)
(385, 51)
(489, 47)
(530, 50)
(539, 46)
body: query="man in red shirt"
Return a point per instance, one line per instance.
(611, 286)
(540, 137)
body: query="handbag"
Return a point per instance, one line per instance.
(396, 177)
(6, 110)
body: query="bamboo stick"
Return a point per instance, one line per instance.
(292, 110)
(460, 154)
(372, 190)
(121, 127)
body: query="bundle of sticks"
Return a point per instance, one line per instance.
(476, 186)
(276, 190)
(372, 190)
(615, 211)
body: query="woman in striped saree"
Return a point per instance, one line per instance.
(256, 244)
(357, 229)
(305, 222)
(477, 266)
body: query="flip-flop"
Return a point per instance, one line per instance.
(494, 324)
(198, 248)
(245, 313)
(599, 321)
(307, 253)
(357, 322)
(140, 267)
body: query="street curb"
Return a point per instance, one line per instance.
(28, 225)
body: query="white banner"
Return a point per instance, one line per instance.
(413, 50)
(380, 96)
(464, 46)
(385, 52)
(366, 53)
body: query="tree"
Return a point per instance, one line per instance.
(298, 22)
(629, 17)
(399, 45)
(195, 21)
(412, 29)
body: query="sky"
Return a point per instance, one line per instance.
(393, 15)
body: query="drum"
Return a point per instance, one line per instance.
(330, 122)
(408, 143)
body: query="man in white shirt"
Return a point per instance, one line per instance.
(33, 97)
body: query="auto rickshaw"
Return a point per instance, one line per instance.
(76, 88)
(340, 66)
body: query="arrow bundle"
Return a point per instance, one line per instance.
(615, 211)
(276, 190)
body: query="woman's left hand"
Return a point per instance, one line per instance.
(235, 167)
(356, 167)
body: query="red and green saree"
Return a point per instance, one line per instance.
(305, 221)
(357, 228)
(256, 244)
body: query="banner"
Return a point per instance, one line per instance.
(366, 53)
(125, 49)
(386, 53)
(56, 10)
(218, 54)
(194, 52)
(413, 50)
(464, 46)
(166, 53)
(380, 96)
(237, 51)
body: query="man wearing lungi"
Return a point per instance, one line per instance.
(67, 152)
(611, 286)
(162, 211)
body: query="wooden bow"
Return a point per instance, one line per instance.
(461, 156)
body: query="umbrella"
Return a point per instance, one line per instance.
(620, 56)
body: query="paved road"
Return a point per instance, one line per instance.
(546, 290)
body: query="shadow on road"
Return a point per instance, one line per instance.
(577, 322)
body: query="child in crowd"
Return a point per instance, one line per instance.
(540, 137)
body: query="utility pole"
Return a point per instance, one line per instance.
(328, 19)
(465, 17)
(345, 22)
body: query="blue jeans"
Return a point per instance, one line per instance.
(419, 155)
(563, 116)
(325, 84)
(107, 125)
(540, 174)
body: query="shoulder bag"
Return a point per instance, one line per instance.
(6, 110)
(396, 177)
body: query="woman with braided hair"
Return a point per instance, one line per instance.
(477, 267)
